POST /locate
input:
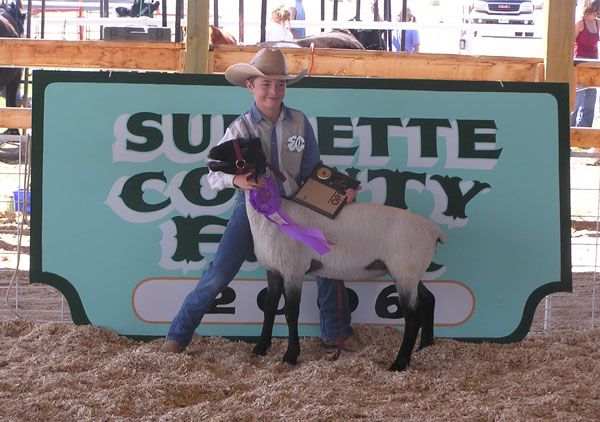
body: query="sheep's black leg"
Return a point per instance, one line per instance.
(411, 329)
(425, 312)
(292, 294)
(274, 290)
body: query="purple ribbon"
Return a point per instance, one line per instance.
(266, 201)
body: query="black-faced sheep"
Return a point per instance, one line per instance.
(369, 240)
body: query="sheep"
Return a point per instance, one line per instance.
(369, 240)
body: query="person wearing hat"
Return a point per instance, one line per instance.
(266, 78)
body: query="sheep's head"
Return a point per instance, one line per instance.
(246, 157)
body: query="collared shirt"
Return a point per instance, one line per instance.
(411, 38)
(300, 16)
(289, 143)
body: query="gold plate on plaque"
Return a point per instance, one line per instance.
(324, 173)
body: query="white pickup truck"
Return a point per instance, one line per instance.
(510, 12)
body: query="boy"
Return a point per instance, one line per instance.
(266, 78)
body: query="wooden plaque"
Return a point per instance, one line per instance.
(325, 191)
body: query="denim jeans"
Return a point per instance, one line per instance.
(585, 105)
(235, 244)
(329, 312)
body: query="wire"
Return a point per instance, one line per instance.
(20, 228)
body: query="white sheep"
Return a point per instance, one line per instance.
(369, 240)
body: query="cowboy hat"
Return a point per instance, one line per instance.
(268, 63)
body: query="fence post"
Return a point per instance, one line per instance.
(559, 40)
(196, 43)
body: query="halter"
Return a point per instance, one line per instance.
(240, 163)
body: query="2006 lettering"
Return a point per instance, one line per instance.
(386, 299)
(386, 305)
(226, 297)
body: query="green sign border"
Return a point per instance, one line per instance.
(560, 91)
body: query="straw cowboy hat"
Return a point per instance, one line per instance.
(268, 63)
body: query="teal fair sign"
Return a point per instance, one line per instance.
(124, 222)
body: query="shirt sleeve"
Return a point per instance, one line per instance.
(217, 179)
(396, 40)
(311, 157)
(416, 38)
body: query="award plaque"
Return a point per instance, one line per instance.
(325, 191)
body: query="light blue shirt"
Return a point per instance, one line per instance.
(300, 16)
(411, 38)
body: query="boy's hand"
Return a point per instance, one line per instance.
(351, 194)
(246, 182)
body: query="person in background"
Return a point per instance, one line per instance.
(278, 29)
(269, 119)
(375, 11)
(297, 14)
(411, 36)
(586, 47)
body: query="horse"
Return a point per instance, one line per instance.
(339, 38)
(371, 39)
(218, 36)
(333, 39)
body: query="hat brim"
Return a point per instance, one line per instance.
(237, 74)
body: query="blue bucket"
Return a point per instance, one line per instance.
(18, 197)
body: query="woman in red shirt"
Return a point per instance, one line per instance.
(586, 47)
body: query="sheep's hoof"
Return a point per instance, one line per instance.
(260, 350)
(290, 359)
(399, 365)
(425, 343)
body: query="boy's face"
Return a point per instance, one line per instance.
(268, 93)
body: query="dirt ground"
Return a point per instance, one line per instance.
(51, 369)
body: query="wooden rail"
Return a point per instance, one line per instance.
(92, 54)
(14, 117)
(585, 137)
(327, 62)
(384, 64)
(587, 74)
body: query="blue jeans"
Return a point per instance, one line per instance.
(585, 105)
(227, 261)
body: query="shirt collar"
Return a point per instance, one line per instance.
(256, 115)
